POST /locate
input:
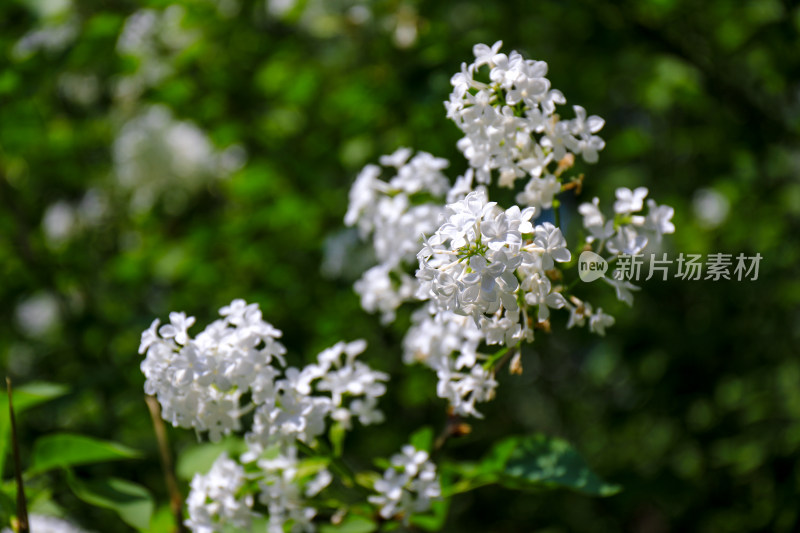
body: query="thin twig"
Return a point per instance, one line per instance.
(175, 498)
(454, 427)
(22, 505)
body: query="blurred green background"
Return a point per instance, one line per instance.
(159, 156)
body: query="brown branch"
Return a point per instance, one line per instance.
(22, 505)
(454, 427)
(175, 498)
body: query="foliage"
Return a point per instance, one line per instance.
(690, 403)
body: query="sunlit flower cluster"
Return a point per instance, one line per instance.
(506, 108)
(489, 276)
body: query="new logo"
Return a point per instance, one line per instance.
(591, 266)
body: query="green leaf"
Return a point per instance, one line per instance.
(32, 394)
(198, 458)
(8, 507)
(367, 479)
(353, 523)
(422, 439)
(541, 462)
(64, 449)
(133, 503)
(25, 397)
(162, 521)
(309, 467)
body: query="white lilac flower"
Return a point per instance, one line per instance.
(539, 192)
(627, 241)
(659, 219)
(200, 381)
(408, 486)
(592, 215)
(154, 38)
(384, 290)
(629, 201)
(578, 312)
(52, 34)
(448, 344)
(623, 289)
(214, 502)
(157, 156)
(463, 390)
(394, 214)
(599, 321)
(471, 265)
(583, 140)
(177, 328)
(552, 244)
(710, 207)
(434, 337)
(633, 233)
(538, 291)
(510, 126)
(63, 220)
(284, 492)
(38, 314)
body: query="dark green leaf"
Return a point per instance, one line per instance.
(62, 450)
(25, 397)
(133, 503)
(541, 462)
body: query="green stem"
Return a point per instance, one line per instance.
(467, 485)
(496, 357)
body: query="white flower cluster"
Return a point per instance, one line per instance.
(408, 486)
(284, 490)
(395, 214)
(214, 500)
(627, 233)
(448, 344)
(156, 155)
(200, 383)
(488, 276)
(64, 220)
(489, 265)
(153, 38)
(472, 265)
(510, 122)
(57, 26)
